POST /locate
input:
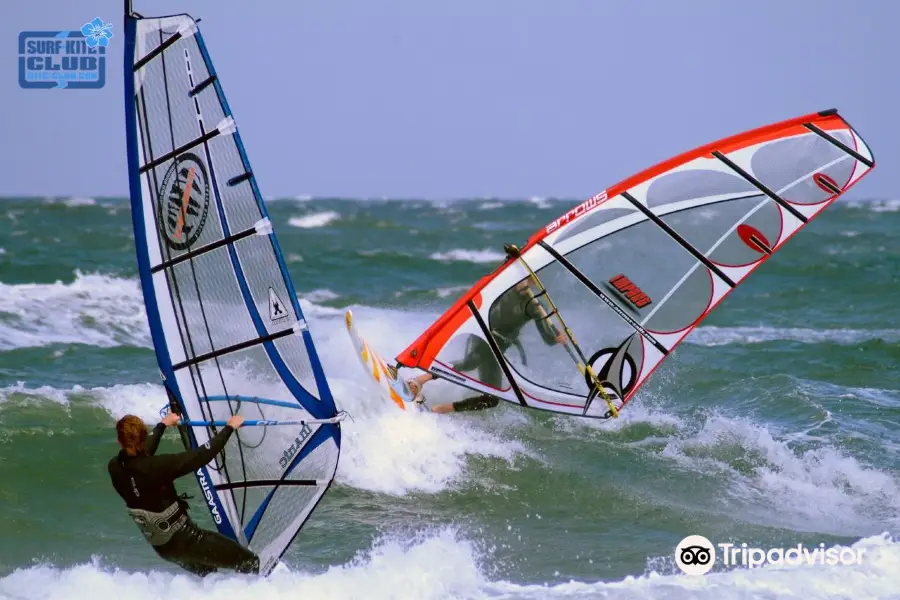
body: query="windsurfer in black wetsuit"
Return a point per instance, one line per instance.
(146, 482)
(507, 318)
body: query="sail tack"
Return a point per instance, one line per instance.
(633, 270)
(227, 328)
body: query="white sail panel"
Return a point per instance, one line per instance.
(227, 328)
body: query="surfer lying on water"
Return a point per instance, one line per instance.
(146, 482)
(511, 313)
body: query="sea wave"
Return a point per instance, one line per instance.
(314, 220)
(475, 256)
(720, 336)
(444, 564)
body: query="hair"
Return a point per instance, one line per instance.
(131, 431)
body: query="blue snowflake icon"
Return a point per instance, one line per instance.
(97, 33)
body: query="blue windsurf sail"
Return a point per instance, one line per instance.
(225, 321)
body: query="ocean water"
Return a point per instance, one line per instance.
(774, 423)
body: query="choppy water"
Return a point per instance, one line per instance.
(774, 424)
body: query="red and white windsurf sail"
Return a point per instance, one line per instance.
(633, 270)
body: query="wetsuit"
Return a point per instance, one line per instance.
(147, 484)
(507, 318)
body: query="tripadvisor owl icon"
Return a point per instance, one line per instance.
(183, 201)
(695, 555)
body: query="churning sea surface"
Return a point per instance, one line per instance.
(774, 424)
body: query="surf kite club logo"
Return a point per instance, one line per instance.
(70, 60)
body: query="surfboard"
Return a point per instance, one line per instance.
(382, 376)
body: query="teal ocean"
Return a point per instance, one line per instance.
(774, 424)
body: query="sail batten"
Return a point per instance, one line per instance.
(226, 325)
(634, 269)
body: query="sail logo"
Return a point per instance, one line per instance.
(183, 201)
(277, 310)
(630, 291)
(615, 372)
(68, 60)
(582, 209)
(292, 450)
(210, 499)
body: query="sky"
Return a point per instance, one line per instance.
(470, 98)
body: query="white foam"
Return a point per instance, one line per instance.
(819, 489)
(142, 399)
(455, 290)
(93, 309)
(720, 336)
(539, 202)
(397, 452)
(314, 220)
(878, 206)
(490, 205)
(443, 565)
(386, 449)
(475, 256)
(72, 202)
(319, 295)
(99, 310)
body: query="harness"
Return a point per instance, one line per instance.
(159, 527)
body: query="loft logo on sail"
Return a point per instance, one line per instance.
(183, 201)
(630, 291)
(292, 450)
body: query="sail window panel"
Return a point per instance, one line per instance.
(293, 350)
(595, 218)
(678, 287)
(273, 303)
(171, 113)
(716, 231)
(240, 204)
(289, 506)
(208, 303)
(595, 326)
(471, 355)
(695, 184)
(788, 166)
(248, 373)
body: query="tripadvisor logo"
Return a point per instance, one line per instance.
(183, 201)
(696, 555)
